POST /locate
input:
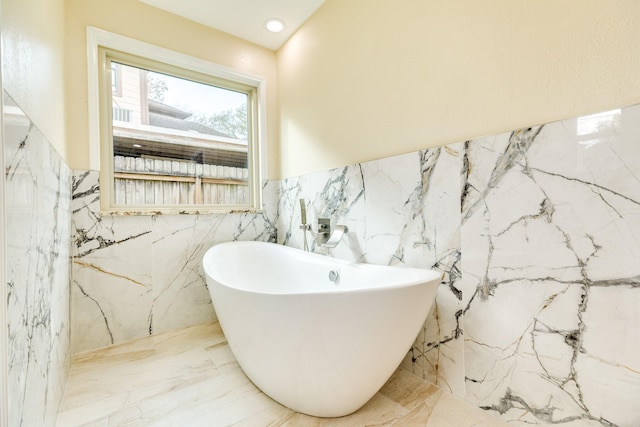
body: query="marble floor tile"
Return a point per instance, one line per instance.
(190, 378)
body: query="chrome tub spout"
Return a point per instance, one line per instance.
(330, 238)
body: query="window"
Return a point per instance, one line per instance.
(175, 138)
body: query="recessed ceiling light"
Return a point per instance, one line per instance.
(274, 25)
(137, 146)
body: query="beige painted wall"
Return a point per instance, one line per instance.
(365, 79)
(33, 63)
(137, 20)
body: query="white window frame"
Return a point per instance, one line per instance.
(97, 38)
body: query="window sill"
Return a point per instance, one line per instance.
(179, 211)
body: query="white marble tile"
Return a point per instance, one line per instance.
(180, 296)
(549, 241)
(336, 194)
(37, 209)
(112, 264)
(608, 368)
(393, 199)
(420, 212)
(138, 275)
(108, 307)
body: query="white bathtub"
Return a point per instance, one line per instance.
(318, 347)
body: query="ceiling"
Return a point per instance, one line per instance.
(244, 18)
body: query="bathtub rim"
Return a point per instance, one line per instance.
(426, 274)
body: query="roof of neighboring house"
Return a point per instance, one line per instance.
(156, 106)
(166, 116)
(136, 142)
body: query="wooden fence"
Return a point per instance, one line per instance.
(142, 181)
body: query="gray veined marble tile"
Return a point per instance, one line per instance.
(111, 271)
(37, 203)
(413, 219)
(180, 297)
(139, 275)
(550, 252)
(337, 194)
(393, 206)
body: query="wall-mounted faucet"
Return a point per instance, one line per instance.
(328, 238)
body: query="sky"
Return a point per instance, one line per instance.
(199, 98)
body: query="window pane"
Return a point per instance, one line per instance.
(178, 141)
(116, 82)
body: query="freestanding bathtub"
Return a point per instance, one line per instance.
(317, 334)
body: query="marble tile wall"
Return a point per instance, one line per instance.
(537, 232)
(134, 276)
(38, 217)
(551, 272)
